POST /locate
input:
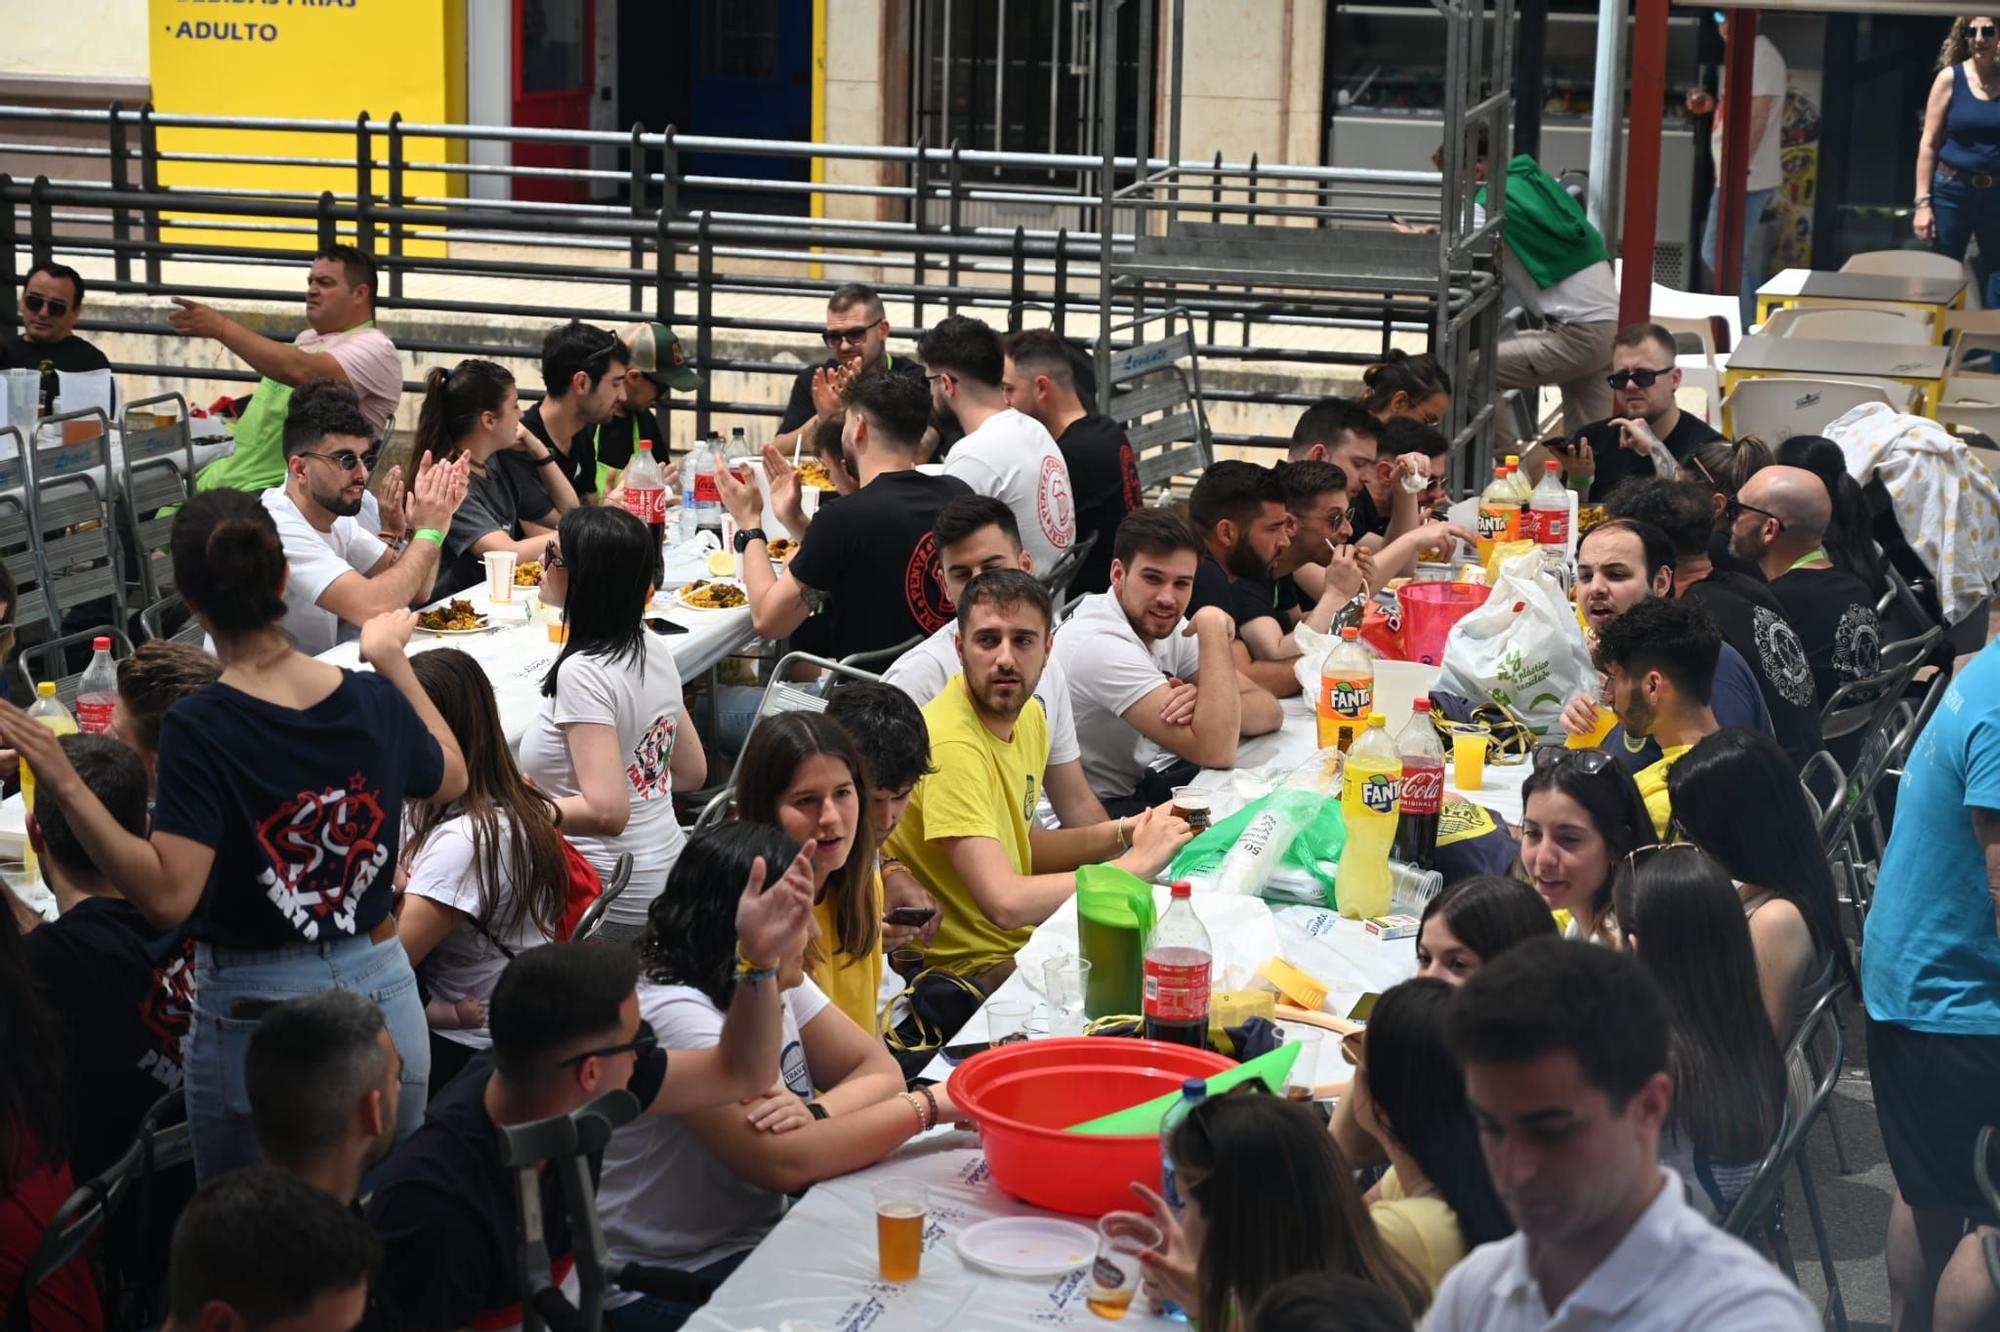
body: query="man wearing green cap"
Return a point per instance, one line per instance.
(655, 360)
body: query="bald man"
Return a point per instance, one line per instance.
(1777, 521)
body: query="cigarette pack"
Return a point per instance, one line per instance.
(1391, 927)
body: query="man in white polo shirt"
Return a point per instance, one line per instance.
(340, 573)
(1569, 1102)
(976, 534)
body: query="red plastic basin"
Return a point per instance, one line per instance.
(1024, 1095)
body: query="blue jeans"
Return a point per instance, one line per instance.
(1754, 202)
(649, 1313)
(1962, 213)
(218, 1102)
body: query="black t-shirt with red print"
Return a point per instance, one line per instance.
(873, 560)
(1104, 478)
(303, 807)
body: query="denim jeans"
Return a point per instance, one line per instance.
(650, 1313)
(218, 1102)
(1754, 202)
(1962, 213)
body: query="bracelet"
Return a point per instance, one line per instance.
(917, 1106)
(1124, 843)
(753, 977)
(745, 965)
(1923, 201)
(544, 460)
(930, 1099)
(430, 534)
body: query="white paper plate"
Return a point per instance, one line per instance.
(1028, 1246)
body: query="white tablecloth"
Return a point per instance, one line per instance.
(517, 654)
(817, 1269)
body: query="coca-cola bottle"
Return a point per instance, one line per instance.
(1423, 788)
(646, 500)
(1179, 958)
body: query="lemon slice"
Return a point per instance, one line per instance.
(722, 563)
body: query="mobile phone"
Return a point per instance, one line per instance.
(1363, 1007)
(664, 626)
(911, 915)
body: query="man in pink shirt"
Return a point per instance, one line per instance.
(342, 344)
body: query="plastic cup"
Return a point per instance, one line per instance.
(1304, 1075)
(1066, 979)
(1116, 1272)
(901, 1206)
(1195, 804)
(1468, 760)
(499, 575)
(1007, 1019)
(1599, 732)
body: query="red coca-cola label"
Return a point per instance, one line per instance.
(1176, 993)
(705, 491)
(1550, 526)
(1423, 788)
(93, 717)
(648, 505)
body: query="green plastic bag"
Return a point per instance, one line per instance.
(1314, 849)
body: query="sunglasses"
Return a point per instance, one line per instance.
(1736, 508)
(1643, 377)
(36, 304)
(638, 1047)
(345, 459)
(835, 337)
(1980, 31)
(1587, 761)
(1652, 849)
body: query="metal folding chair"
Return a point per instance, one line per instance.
(156, 473)
(70, 492)
(50, 660)
(1149, 381)
(1063, 573)
(593, 915)
(170, 610)
(881, 656)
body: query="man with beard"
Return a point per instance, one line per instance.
(1129, 652)
(857, 333)
(969, 834)
(1779, 520)
(324, 1081)
(1658, 660)
(584, 372)
(342, 575)
(1647, 428)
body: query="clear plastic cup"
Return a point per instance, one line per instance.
(1468, 759)
(1116, 1273)
(901, 1208)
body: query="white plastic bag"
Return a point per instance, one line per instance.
(1523, 648)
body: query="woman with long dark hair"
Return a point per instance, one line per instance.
(517, 488)
(1849, 542)
(802, 773)
(1776, 860)
(1721, 467)
(35, 1176)
(699, 1190)
(488, 875)
(613, 742)
(1436, 1202)
(1679, 912)
(1581, 815)
(1400, 384)
(1268, 1196)
(1475, 920)
(277, 826)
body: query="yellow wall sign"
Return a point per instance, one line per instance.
(303, 60)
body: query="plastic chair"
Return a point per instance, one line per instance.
(1776, 407)
(171, 610)
(1678, 304)
(1904, 263)
(1699, 370)
(49, 660)
(1879, 324)
(593, 915)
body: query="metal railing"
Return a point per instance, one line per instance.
(673, 251)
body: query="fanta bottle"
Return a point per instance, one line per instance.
(1346, 691)
(1499, 513)
(1369, 789)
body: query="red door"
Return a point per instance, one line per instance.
(555, 55)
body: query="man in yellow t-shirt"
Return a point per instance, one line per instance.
(1658, 660)
(970, 835)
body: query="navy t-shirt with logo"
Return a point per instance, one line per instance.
(873, 562)
(303, 807)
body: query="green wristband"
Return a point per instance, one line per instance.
(429, 534)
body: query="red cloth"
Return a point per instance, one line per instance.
(67, 1301)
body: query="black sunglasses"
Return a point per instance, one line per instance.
(36, 304)
(638, 1047)
(1590, 762)
(1736, 508)
(345, 459)
(1643, 377)
(834, 337)
(1978, 31)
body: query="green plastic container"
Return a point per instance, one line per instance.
(1114, 917)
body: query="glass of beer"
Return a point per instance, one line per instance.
(1116, 1272)
(900, 1208)
(1192, 803)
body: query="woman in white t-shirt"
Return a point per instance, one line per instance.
(613, 742)
(698, 1191)
(487, 875)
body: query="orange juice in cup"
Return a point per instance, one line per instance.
(1598, 733)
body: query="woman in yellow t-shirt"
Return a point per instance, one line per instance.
(802, 773)
(1437, 1201)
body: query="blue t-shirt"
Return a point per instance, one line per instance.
(303, 807)
(1932, 960)
(1735, 699)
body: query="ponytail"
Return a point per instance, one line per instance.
(229, 561)
(454, 399)
(1415, 377)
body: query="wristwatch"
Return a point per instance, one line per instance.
(816, 1110)
(746, 535)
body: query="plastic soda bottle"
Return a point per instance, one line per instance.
(1522, 486)
(1179, 960)
(1346, 691)
(688, 513)
(1421, 796)
(707, 496)
(1548, 511)
(1499, 514)
(97, 692)
(1369, 790)
(1193, 1092)
(49, 711)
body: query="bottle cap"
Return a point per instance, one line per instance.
(1500, 471)
(1513, 460)
(1550, 465)
(45, 689)
(1350, 633)
(1182, 888)
(100, 644)
(1377, 719)
(1420, 705)
(1195, 1087)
